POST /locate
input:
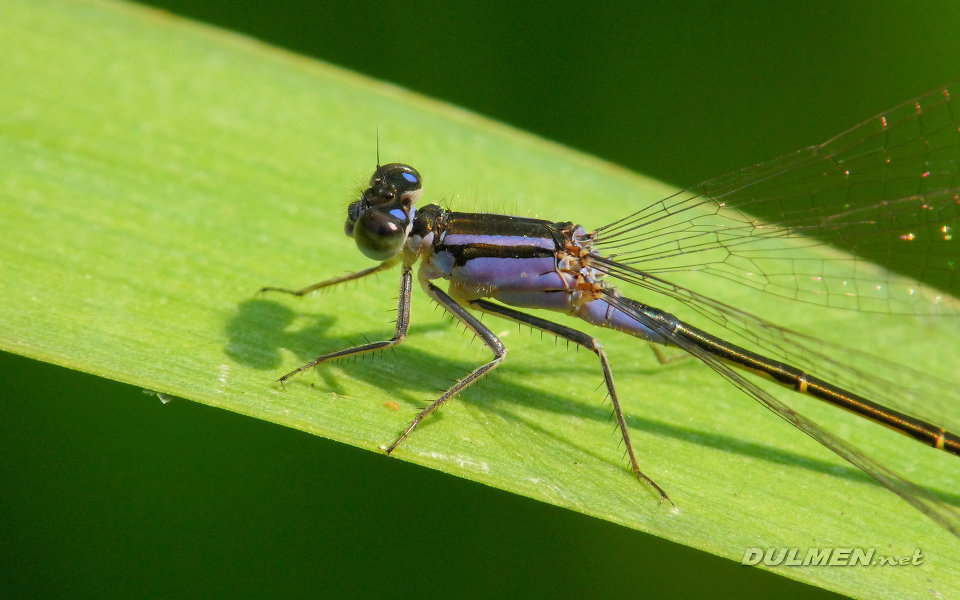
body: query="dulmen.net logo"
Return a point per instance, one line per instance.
(827, 557)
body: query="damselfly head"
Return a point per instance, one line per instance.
(380, 220)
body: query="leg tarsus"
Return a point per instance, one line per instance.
(663, 359)
(335, 280)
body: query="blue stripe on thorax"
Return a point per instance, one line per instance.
(470, 236)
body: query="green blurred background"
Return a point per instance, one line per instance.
(109, 493)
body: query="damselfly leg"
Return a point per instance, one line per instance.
(402, 323)
(592, 344)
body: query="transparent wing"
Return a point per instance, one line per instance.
(891, 384)
(887, 191)
(944, 514)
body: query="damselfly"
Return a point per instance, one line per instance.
(896, 179)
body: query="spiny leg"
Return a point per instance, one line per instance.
(403, 322)
(592, 344)
(387, 264)
(472, 323)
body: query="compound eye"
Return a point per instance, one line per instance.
(378, 235)
(402, 180)
(407, 179)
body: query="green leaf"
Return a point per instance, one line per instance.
(155, 173)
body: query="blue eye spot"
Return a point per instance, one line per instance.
(410, 177)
